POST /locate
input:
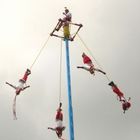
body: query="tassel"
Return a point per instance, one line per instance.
(14, 108)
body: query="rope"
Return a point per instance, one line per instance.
(39, 53)
(92, 56)
(60, 71)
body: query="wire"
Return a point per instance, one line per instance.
(60, 71)
(44, 45)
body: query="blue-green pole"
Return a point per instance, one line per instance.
(71, 126)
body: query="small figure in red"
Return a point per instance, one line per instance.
(59, 122)
(117, 91)
(89, 65)
(126, 104)
(20, 87)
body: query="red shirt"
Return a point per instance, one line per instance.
(25, 76)
(86, 59)
(59, 116)
(117, 91)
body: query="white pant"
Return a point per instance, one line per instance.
(59, 123)
(20, 85)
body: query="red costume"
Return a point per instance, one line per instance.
(116, 90)
(59, 119)
(20, 87)
(59, 115)
(88, 62)
(24, 79)
(86, 59)
(126, 105)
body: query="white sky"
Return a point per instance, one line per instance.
(110, 30)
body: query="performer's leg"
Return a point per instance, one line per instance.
(26, 87)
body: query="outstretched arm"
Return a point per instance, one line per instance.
(52, 128)
(82, 67)
(99, 70)
(26, 87)
(11, 85)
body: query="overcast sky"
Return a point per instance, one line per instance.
(110, 30)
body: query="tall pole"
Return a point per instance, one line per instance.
(71, 126)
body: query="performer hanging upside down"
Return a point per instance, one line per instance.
(59, 122)
(20, 87)
(126, 104)
(117, 91)
(89, 65)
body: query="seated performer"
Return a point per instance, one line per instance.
(66, 19)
